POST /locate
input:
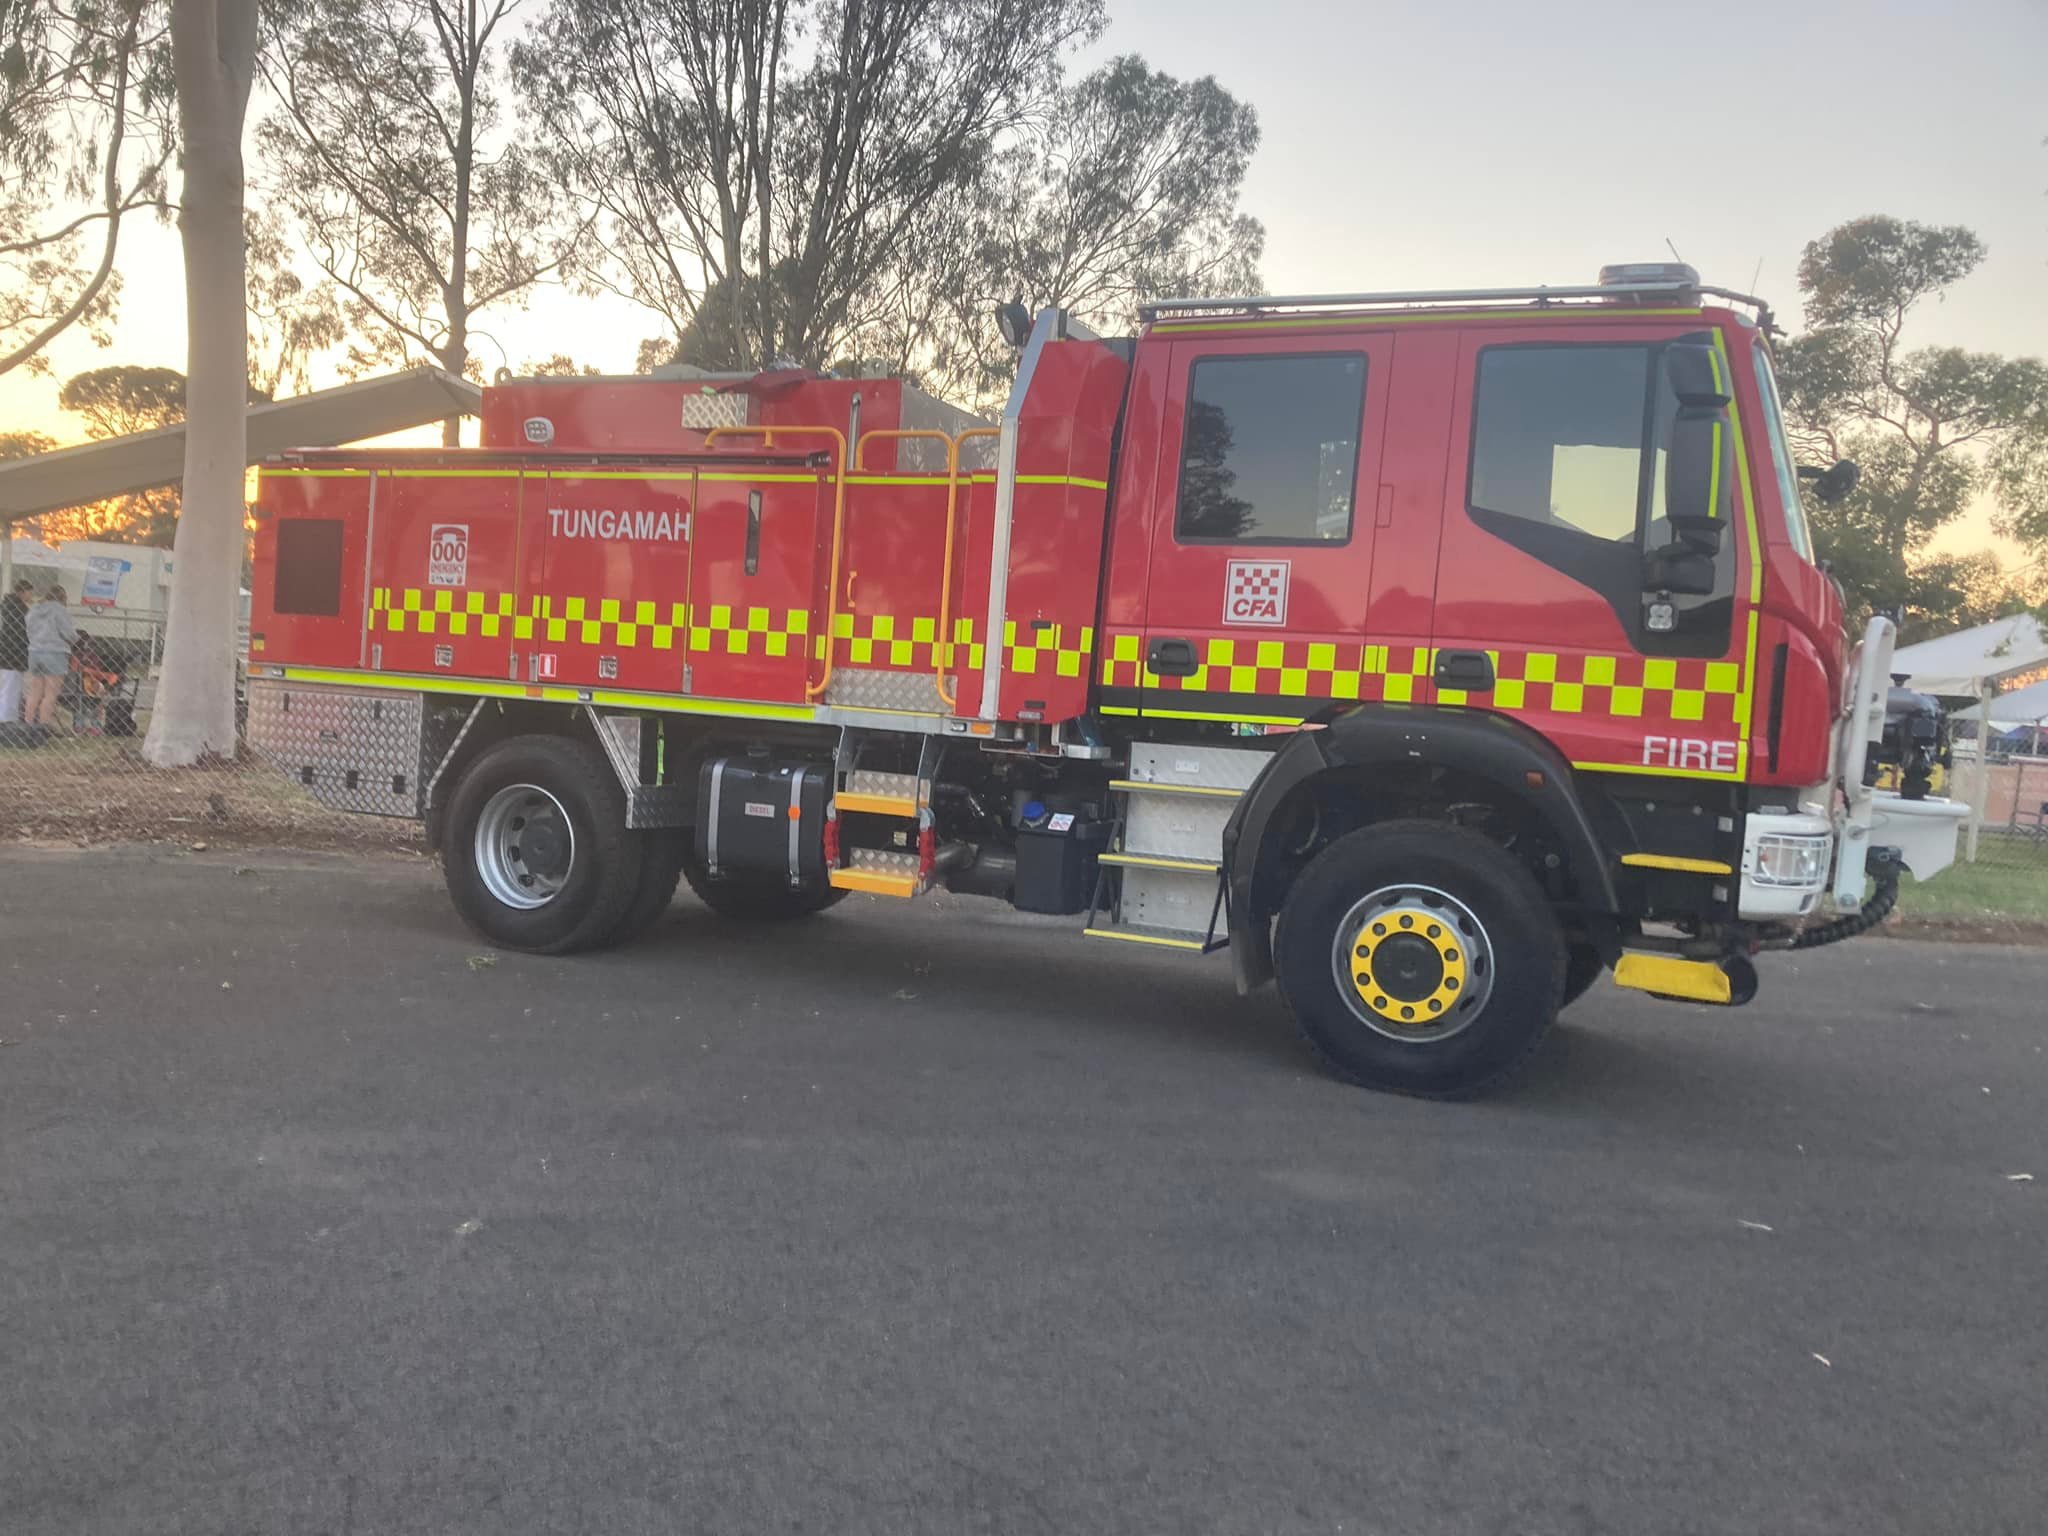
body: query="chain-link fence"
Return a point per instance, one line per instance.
(75, 772)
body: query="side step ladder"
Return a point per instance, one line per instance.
(893, 853)
(1161, 883)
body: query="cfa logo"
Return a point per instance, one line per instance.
(1255, 592)
(448, 555)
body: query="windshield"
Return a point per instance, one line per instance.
(1781, 457)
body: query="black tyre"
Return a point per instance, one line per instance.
(754, 899)
(1420, 958)
(536, 852)
(661, 871)
(1582, 967)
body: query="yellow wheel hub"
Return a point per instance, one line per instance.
(1409, 966)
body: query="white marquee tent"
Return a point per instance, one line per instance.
(1973, 662)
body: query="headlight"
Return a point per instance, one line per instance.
(1789, 860)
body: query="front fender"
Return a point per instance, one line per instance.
(1520, 764)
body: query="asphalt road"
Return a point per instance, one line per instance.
(314, 1218)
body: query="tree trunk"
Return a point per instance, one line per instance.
(213, 48)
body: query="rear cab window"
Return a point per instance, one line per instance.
(1269, 454)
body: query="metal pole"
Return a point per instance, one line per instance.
(1982, 796)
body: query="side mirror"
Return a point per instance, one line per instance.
(1699, 468)
(1835, 483)
(1693, 370)
(1014, 321)
(1683, 568)
(1699, 471)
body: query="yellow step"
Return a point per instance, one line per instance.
(1698, 981)
(876, 805)
(1213, 791)
(1160, 861)
(1145, 936)
(876, 882)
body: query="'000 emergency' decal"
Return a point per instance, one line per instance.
(448, 555)
(1255, 591)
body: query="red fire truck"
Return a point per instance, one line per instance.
(1434, 652)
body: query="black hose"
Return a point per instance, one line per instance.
(1885, 870)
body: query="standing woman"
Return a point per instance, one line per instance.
(50, 635)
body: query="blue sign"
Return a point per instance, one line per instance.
(103, 575)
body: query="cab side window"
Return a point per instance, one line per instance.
(1558, 437)
(1269, 451)
(1567, 465)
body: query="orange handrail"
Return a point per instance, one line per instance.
(942, 650)
(947, 591)
(898, 433)
(767, 436)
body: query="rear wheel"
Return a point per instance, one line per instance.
(536, 853)
(754, 898)
(1420, 958)
(661, 871)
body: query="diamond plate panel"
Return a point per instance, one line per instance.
(882, 860)
(1168, 900)
(875, 688)
(702, 412)
(352, 749)
(1216, 767)
(1171, 826)
(872, 781)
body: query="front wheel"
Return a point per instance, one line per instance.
(536, 853)
(1420, 958)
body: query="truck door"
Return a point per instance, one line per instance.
(752, 629)
(444, 557)
(1553, 601)
(308, 604)
(609, 578)
(1261, 563)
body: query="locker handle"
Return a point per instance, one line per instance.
(1470, 670)
(753, 533)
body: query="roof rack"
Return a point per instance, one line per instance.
(1636, 292)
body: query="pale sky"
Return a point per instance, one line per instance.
(1412, 144)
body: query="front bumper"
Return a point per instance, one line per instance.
(1790, 860)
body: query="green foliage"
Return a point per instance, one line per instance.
(87, 129)
(1127, 189)
(124, 398)
(22, 445)
(1933, 428)
(414, 189)
(820, 142)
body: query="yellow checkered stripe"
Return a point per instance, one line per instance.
(608, 621)
(889, 640)
(1054, 652)
(1303, 669)
(1619, 687)
(1659, 688)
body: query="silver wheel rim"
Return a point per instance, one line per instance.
(525, 846)
(1377, 957)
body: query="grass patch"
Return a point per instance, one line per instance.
(2004, 882)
